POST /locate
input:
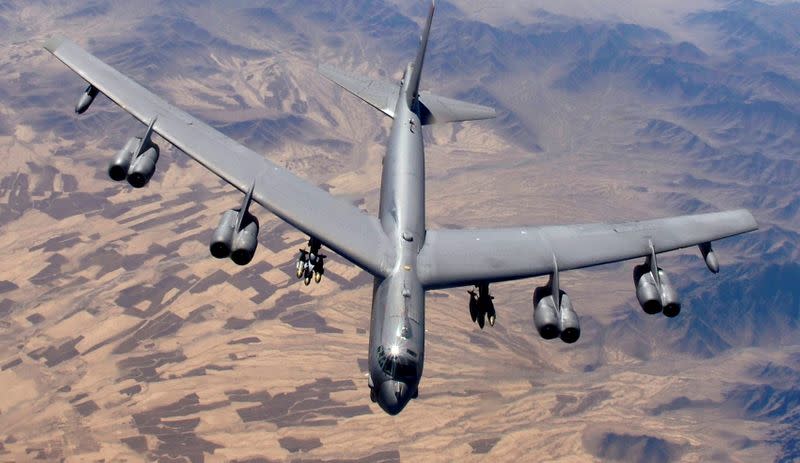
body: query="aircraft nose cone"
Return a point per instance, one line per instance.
(393, 396)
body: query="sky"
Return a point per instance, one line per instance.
(661, 14)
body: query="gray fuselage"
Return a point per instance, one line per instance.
(397, 331)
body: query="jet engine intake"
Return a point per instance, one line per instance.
(136, 161)
(669, 297)
(245, 241)
(545, 315)
(222, 239)
(646, 289)
(121, 163)
(655, 296)
(552, 322)
(569, 324)
(239, 245)
(143, 167)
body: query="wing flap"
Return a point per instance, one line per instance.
(338, 224)
(453, 258)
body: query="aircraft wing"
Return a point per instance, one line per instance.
(337, 224)
(452, 258)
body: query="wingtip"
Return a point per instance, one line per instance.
(753, 221)
(747, 219)
(488, 113)
(53, 43)
(326, 71)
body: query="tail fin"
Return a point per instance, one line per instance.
(434, 109)
(416, 70)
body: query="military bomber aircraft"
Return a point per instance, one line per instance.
(404, 256)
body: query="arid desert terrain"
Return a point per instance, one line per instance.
(122, 339)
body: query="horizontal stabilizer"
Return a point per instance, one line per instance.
(380, 95)
(435, 109)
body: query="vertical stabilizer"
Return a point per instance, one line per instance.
(431, 108)
(416, 68)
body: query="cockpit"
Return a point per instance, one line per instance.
(400, 366)
(399, 363)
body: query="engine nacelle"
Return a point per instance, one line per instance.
(121, 163)
(551, 322)
(545, 315)
(246, 241)
(143, 167)
(222, 239)
(569, 324)
(669, 297)
(652, 298)
(646, 289)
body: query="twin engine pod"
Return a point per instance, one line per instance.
(238, 244)
(137, 168)
(655, 295)
(552, 321)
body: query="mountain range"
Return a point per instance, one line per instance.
(122, 339)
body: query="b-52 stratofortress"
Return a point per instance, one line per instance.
(405, 258)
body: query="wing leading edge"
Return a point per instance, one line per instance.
(452, 258)
(339, 225)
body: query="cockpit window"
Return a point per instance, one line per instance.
(396, 366)
(405, 370)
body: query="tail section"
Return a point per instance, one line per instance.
(416, 69)
(433, 109)
(380, 95)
